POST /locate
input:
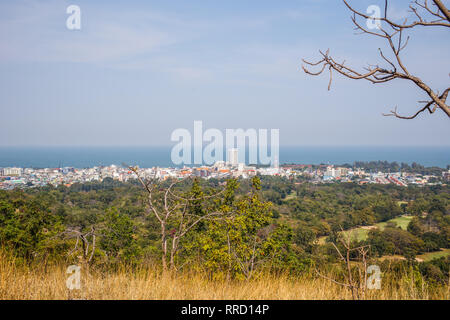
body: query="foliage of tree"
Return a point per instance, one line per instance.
(225, 228)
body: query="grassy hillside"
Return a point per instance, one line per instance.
(149, 283)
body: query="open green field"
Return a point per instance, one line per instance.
(431, 255)
(423, 257)
(361, 233)
(401, 221)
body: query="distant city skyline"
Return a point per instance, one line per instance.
(138, 70)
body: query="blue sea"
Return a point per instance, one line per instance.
(82, 157)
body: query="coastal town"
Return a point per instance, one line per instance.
(15, 177)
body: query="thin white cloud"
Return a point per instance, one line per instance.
(37, 32)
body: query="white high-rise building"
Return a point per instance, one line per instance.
(233, 158)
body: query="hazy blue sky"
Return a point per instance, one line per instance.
(137, 70)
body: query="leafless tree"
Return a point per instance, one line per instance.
(171, 208)
(88, 243)
(426, 14)
(355, 268)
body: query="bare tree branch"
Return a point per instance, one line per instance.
(392, 32)
(172, 209)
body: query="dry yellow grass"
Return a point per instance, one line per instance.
(35, 283)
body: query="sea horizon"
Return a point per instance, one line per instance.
(151, 156)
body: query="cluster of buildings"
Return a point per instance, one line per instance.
(11, 178)
(330, 173)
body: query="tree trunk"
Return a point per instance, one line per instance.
(173, 252)
(164, 246)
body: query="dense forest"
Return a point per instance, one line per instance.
(231, 229)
